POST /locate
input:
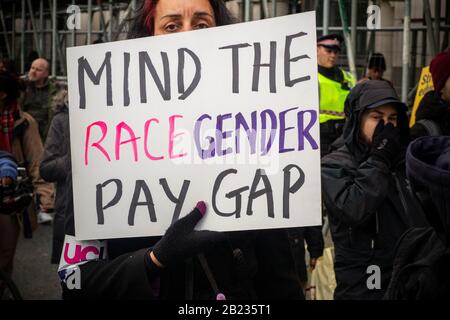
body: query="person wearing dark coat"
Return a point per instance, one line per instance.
(365, 191)
(314, 242)
(250, 265)
(434, 109)
(19, 135)
(55, 166)
(422, 260)
(187, 264)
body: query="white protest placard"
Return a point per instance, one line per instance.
(228, 115)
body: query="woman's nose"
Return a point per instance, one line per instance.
(187, 27)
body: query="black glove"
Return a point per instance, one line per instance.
(181, 241)
(386, 143)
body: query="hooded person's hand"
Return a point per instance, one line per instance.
(386, 143)
(181, 241)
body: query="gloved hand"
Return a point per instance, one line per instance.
(13, 199)
(386, 143)
(181, 241)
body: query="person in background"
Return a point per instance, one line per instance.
(422, 258)
(19, 136)
(39, 94)
(7, 65)
(433, 113)
(55, 167)
(365, 191)
(334, 86)
(376, 68)
(315, 244)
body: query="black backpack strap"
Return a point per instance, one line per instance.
(432, 128)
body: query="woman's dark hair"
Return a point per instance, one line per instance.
(10, 86)
(8, 65)
(142, 24)
(377, 61)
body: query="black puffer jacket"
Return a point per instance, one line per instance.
(368, 205)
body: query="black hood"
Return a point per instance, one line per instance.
(433, 107)
(366, 95)
(428, 169)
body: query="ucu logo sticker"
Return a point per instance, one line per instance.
(82, 254)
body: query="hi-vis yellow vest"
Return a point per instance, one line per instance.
(332, 97)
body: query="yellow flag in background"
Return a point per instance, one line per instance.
(425, 85)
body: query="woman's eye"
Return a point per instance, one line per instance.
(172, 27)
(202, 25)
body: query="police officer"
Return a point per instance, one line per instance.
(334, 86)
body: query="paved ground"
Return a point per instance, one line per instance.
(33, 274)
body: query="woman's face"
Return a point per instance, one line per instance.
(183, 15)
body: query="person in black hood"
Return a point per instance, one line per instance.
(422, 258)
(433, 112)
(364, 190)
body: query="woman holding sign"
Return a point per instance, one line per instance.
(182, 264)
